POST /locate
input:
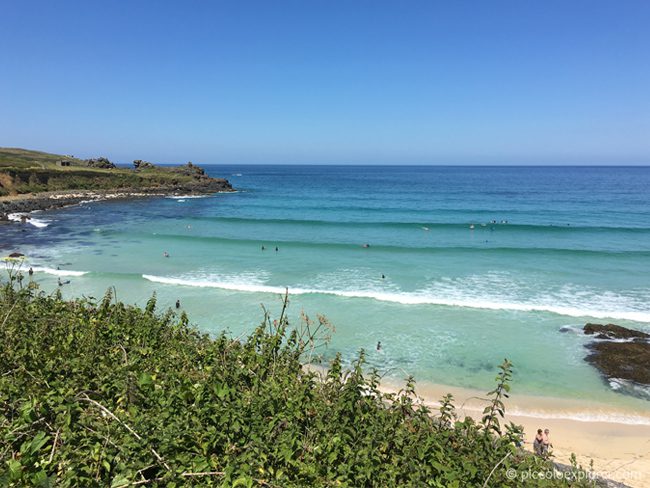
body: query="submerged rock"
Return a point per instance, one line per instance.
(622, 356)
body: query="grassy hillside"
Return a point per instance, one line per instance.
(23, 171)
(98, 393)
(23, 158)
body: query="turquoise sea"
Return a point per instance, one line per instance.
(463, 267)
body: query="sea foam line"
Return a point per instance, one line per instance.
(408, 298)
(58, 272)
(184, 197)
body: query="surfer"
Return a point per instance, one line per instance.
(31, 271)
(276, 249)
(178, 304)
(263, 248)
(166, 254)
(366, 245)
(383, 276)
(61, 283)
(379, 345)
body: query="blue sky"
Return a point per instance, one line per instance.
(310, 81)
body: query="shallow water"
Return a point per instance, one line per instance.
(479, 263)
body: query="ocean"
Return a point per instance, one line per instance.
(452, 269)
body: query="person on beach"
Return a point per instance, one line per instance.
(538, 443)
(546, 442)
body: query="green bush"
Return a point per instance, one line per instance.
(99, 393)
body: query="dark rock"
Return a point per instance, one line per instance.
(16, 255)
(613, 331)
(140, 164)
(102, 163)
(621, 355)
(623, 360)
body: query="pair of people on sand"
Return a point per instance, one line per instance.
(542, 442)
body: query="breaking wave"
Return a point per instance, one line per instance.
(423, 297)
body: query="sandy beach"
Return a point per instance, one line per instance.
(620, 449)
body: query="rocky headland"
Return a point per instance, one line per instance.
(31, 180)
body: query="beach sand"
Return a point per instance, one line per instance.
(617, 441)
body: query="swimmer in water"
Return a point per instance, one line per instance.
(178, 304)
(383, 276)
(379, 345)
(166, 254)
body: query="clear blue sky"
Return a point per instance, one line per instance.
(311, 81)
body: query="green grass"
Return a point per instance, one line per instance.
(24, 158)
(98, 393)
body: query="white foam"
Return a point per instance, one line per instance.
(18, 217)
(183, 197)
(586, 416)
(58, 272)
(405, 298)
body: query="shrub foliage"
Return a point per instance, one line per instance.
(99, 393)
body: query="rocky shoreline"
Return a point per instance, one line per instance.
(622, 356)
(24, 204)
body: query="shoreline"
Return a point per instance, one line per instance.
(32, 202)
(620, 449)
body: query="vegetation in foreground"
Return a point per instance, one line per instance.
(25, 171)
(99, 393)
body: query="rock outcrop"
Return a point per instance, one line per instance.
(102, 163)
(622, 356)
(613, 331)
(140, 164)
